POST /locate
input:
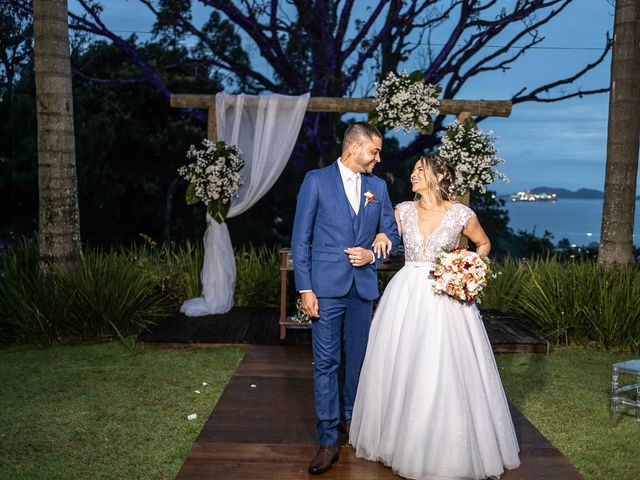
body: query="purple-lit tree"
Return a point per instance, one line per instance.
(335, 48)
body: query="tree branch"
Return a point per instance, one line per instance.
(478, 40)
(534, 95)
(97, 27)
(117, 81)
(228, 62)
(343, 21)
(366, 54)
(248, 23)
(363, 31)
(431, 74)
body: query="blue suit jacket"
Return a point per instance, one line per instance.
(323, 229)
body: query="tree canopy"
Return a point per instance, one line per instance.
(129, 142)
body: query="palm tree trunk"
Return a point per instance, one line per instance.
(623, 142)
(59, 227)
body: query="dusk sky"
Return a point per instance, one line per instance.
(554, 144)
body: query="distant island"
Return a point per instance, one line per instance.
(551, 193)
(564, 193)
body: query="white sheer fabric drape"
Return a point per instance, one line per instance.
(265, 129)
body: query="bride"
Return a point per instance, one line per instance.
(430, 403)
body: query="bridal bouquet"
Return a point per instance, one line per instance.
(405, 101)
(213, 176)
(461, 274)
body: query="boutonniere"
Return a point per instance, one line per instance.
(369, 198)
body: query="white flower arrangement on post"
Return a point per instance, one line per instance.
(405, 101)
(472, 155)
(213, 177)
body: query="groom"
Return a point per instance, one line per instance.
(340, 210)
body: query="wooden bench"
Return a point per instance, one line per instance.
(391, 264)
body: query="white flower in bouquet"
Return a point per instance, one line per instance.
(472, 155)
(405, 101)
(213, 177)
(461, 274)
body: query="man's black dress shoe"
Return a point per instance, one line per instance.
(324, 459)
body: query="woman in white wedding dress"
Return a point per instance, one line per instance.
(430, 403)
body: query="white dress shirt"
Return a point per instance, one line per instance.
(351, 182)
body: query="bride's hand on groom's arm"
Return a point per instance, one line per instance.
(359, 257)
(381, 245)
(309, 303)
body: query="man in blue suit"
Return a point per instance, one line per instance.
(340, 210)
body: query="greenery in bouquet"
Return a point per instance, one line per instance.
(405, 101)
(300, 317)
(213, 176)
(472, 155)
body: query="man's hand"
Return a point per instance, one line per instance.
(359, 257)
(381, 245)
(309, 303)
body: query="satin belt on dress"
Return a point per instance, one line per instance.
(419, 264)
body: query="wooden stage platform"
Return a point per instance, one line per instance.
(263, 427)
(259, 326)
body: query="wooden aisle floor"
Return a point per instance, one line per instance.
(263, 428)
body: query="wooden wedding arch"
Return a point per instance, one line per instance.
(463, 109)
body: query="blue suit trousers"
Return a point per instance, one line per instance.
(343, 319)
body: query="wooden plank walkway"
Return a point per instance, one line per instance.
(264, 428)
(260, 326)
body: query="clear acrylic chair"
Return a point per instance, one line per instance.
(630, 367)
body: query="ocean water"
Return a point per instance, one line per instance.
(573, 218)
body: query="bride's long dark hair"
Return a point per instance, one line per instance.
(439, 191)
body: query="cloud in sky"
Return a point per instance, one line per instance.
(561, 145)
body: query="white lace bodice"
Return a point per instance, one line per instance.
(445, 237)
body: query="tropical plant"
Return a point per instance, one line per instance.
(258, 277)
(103, 297)
(571, 301)
(504, 288)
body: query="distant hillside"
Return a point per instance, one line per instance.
(564, 193)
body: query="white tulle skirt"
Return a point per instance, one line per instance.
(430, 403)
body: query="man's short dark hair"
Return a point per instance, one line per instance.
(358, 132)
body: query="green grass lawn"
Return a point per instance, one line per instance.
(565, 395)
(105, 411)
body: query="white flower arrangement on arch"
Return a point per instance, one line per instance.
(405, 101)
(213, 177)
(472, 155)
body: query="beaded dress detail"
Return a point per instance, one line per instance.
(445, 237)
